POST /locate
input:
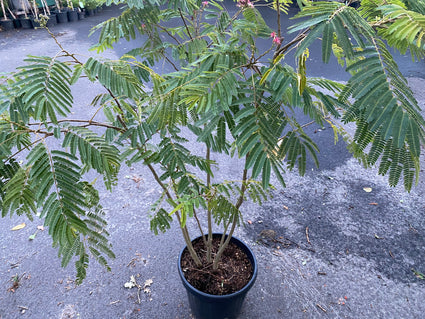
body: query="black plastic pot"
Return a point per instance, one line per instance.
(25, 23)
(34, 23)
(90, 12)
(72, 15)
(81, 15)
(17, 23)
(51, 21)
(206, 306)
(62, 17)
(6, 25)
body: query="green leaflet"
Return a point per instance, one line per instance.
(94, 151)
(116, 77)
(327, 41)
(44, 88)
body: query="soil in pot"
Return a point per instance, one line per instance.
(234, 271)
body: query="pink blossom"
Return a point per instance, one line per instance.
(276, 39)
(143, 25)
(245, 3)
(204, 3)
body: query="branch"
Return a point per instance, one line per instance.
(19, 151)
(87, 122)
(168, 32)
(234, 221)
(294, 41)
(184, 21)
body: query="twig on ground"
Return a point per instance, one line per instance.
(321, 308)
(306, 234)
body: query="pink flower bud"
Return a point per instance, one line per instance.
(244, 4)
(204, 3)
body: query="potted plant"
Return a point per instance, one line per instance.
(50, 18)
(61, 13)
(79, 8)
(34, 14)
(5, 23)
(16, 21)
(72, 12)
(24, 19)
(222, 94)
(90, 6)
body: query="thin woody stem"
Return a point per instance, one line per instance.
(209, 213)
(234, 220)
(294, 41)
(195, 215)
(184, 21)
(184, 230)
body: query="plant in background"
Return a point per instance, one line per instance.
(58, 5)
(78, 4)
(70, 5)
(45, 6)
(34, 9)
(90, 4)
(4, 6)
(25, 5)
(223, 95)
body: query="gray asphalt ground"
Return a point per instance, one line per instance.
(326, 247)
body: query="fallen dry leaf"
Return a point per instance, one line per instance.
(18, 227)
(132, 283)
(148, 283)
(375, 204)
(249, 222)
(136, 179)
(41, 227)
(286, 207)
(367, 189)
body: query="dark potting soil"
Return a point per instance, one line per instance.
(233, 273)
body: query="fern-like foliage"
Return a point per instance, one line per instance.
(384, 108)
(44, 88)
(223, 93)
(400, 23)
(94, 152)
(117, 77)
(396, 117)
(64, 200)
